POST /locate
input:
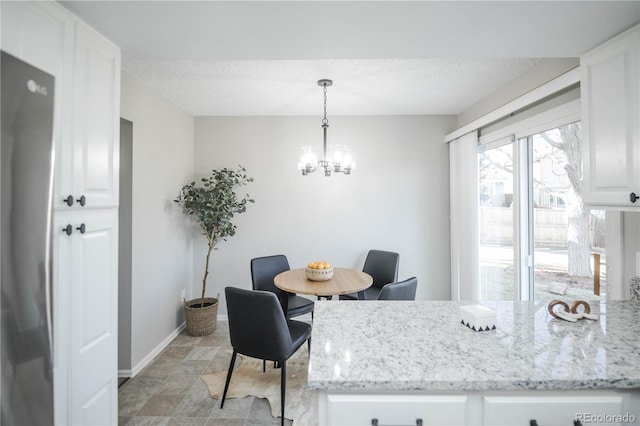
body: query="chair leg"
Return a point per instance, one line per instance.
(283, 388)
(226, 385)
(264, 365)
(309, 346)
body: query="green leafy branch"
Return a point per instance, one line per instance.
(212, 203)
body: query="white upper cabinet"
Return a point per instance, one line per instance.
(610, 92)
(95, 136)
(87, 97)
(38, 34)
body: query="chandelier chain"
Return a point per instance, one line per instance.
(324, 120)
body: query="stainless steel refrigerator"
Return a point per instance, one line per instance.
(26, 183)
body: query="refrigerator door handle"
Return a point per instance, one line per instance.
(48, 285)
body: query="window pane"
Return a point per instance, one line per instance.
(495, 170)
(567, 234)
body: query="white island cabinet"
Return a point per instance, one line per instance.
(610, 93)
(479, 408)
(414, 363)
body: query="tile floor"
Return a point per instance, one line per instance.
(169, 391)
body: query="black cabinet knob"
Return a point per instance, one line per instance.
(82, 200)
(533, 422)
(68, 201)
(68, 229)
(82, 228)
(633, 197)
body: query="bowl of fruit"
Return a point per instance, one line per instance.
(319, 271)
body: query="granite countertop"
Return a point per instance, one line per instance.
(404, 346)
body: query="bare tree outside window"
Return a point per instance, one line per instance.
(566, 140)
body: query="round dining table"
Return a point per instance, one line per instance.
(344, 281)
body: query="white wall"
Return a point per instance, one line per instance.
(162, 246)
(397, 198)
(545, 71)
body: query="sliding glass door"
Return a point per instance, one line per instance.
(568, 236)
(537, 238)
(495, 173)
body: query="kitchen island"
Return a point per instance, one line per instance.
(396, 362)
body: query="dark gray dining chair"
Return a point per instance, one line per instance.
(259, 329)
(383, 267)
(401, 290)
(263, 271)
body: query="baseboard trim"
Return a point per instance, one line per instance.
(124, 373)
(151, 355)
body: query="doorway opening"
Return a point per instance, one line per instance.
(124, 251)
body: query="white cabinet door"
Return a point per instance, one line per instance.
(610, 92)
(93, 321)
(85, 316)
(385, 410)
(551, 410)
(37, 33)
(95, 120)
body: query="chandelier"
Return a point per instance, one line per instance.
(334, 159)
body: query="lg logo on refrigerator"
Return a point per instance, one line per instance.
(36, 88)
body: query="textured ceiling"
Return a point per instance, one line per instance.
(385, 57)
(370, 87)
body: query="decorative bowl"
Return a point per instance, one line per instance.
(319, 274)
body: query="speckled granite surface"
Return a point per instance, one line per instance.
(423, 346)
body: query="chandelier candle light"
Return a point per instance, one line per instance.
(336, 160)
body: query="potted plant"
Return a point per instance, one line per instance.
(212, 203)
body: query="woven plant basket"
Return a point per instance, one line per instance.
(201, 321)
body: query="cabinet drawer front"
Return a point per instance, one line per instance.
(356, 410)
(551, 410)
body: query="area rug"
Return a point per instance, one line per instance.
(301, 403)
